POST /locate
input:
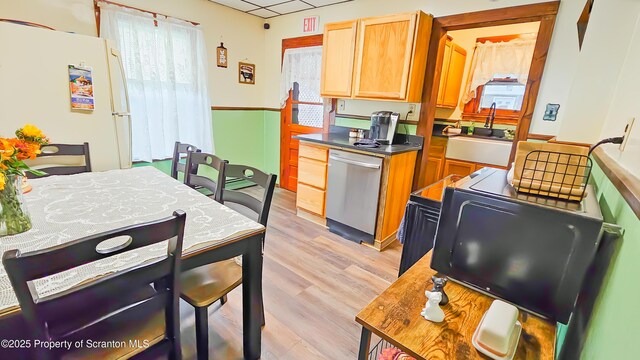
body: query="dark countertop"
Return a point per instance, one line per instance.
(341, 139)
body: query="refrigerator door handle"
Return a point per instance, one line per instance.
(116, 53)
(126, 114)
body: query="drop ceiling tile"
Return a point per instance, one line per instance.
(324, 2)
(290, 7)
(236, 4)
(264, 13)
(264, 3)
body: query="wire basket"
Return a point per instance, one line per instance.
(377, 349)
(554, 174)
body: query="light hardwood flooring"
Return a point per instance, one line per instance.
(314, 283)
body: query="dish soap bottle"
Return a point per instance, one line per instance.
(470, 128)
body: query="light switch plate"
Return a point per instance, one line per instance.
(627, 133)
(341, 105)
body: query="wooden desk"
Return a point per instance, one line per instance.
(395, 317)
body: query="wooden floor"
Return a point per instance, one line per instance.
(314, 284)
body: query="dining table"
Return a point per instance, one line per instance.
(70, 207)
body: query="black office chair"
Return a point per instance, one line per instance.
(206, 162)
(59, 152)
(207, 284)
(120, 306)
(180, 150)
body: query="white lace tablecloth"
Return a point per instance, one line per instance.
(66, 208)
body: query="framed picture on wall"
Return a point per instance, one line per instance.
(221, 56)
(246, 73)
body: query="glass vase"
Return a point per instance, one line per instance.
(14, 217)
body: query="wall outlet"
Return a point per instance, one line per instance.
(627, 133)
(412, 113)
(341, 106)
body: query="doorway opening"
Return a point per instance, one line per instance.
(303, 110)
(517, 103)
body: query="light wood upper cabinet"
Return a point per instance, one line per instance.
(455, 58)
(389, 62)
(338, 54)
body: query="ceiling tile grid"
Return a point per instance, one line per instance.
(271, 8)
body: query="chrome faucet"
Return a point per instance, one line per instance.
(491, 117)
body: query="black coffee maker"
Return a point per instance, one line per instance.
(383, 126)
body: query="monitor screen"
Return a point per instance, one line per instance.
(531, 256)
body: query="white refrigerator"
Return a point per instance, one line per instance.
(34, 88)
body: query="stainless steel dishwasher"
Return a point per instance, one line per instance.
(352, 195)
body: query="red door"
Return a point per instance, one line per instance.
(302, 114)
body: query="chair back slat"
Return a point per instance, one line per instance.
(200, 160)
(246, 200)
(53, 260)
(257, 177)
(63, 150)
(40, 312)
(180, 150)
(120, 282)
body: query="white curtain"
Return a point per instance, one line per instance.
(301, 65)
(166, 71)
(499, 60)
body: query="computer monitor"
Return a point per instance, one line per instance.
(532, 256)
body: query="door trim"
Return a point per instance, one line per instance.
(292, 43)
(545, 13)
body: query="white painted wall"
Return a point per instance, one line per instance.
(597, 69)
(555, 83)
(467, 40)
(243, 35)
(625, 105)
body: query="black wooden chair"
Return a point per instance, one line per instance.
(180, 150)
(207, 284)
(60, 163)
(208, 162)
(133, 309)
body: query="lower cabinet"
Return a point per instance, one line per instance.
(462, 168)
(312, 179)
(311, 199)
(434, 169)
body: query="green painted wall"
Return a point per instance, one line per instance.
(366, 124)
(272, 142)
(613, 331)
(250, 137)
(238, 136)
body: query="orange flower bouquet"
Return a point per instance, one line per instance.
(29, 139)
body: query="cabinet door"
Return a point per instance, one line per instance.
(312, 172)
(383, 60)
(434, 169)
(457, 167)
(311, 199)
(445, 71)
(454, 76)
(338, 53)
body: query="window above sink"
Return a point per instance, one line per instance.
(506, 93)
(499, 72)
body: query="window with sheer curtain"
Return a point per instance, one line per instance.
(301, 71)
(502, 60)
(165, 65)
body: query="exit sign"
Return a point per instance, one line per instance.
(310, 24)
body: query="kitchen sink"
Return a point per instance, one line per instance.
(479, 150)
